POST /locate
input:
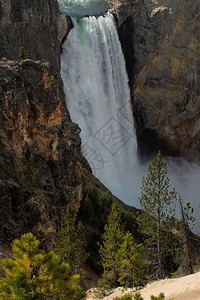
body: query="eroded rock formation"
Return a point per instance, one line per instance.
(40, 159)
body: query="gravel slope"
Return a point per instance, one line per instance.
(184, 288)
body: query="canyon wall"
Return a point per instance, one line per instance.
(40, 156)
(32, 25)
(41, 163)
(40, 159)
(161, 42)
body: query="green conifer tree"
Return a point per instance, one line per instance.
(187, 223)
(71, 241)
(125, 297)
(34, 274)
(156, 201)
(131, 265)
(112, 239)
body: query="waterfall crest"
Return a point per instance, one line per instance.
(98, 98)
(81, 8)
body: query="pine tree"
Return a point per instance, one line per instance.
(71, 241)
(34, 274)
(131, 265)
(112, 239)
(187, 222)
(156, 201)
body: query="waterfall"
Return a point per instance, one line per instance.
(98, 99)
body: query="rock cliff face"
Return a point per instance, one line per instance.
(161, 41)
(41, 165)
(40, 159)
(32, 25)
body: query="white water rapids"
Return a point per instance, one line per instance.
(98, 99)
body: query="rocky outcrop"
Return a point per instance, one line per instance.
(122, 9)
(64, 26)
(32, 25)
(161, 41)
(41, 162)
(40, 159)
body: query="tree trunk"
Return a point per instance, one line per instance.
(159, 247)
(161, 275)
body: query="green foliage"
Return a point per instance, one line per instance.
(131, 266)
(124, 297)
(187, 222)
(112, 240)
(155, 195)
(95, 208)
(34, 274)
(71, 241)
(130, 221)
(196, 266)
(188, 212)
(161, 296)
(156, 200)
(120, 255)
(137, 296)
(21, 54)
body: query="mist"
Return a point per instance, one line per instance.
(184, 177)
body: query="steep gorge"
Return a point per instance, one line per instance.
(40, 156)
(42, 167)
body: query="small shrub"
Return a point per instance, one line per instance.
(161, 296)
(124, 297)
(137, 296)
(196, 266)
(21, 54)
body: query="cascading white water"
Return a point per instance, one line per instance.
(98, 98)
